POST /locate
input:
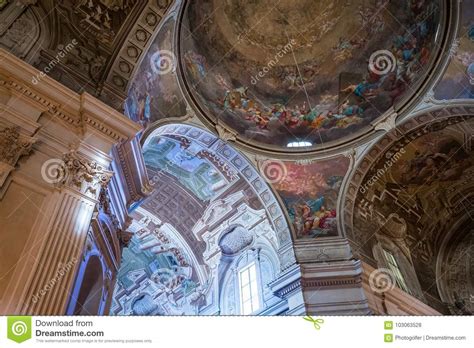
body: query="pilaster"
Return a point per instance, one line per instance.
(55, 189)
(331, 280)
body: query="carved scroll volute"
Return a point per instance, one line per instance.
(83, 175)
(13, 145)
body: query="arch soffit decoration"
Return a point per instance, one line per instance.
(246, 170)
(421, 123)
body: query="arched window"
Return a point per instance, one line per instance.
(392, 264)
(245, 289)
(249, 289)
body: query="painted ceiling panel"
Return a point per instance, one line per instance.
(196, 173)
(307, 72)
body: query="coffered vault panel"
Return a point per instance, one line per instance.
(231, 161)
(208, 214)
(91, 45)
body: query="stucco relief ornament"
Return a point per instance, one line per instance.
(84, 175)
(388, 123)
(225, 134)
(13, 145)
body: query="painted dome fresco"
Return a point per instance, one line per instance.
(305, 73)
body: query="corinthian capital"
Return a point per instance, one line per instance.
(86, 176)
(13, 145)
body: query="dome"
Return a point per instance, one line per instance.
(311, 74)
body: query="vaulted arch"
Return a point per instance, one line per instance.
(409, 197)
(208, 205)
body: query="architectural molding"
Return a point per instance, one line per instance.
(75, 134)
(240, 164)
(81, 112)
(392, 301)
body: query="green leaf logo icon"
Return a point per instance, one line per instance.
(19, 329)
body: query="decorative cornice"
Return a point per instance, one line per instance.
(319, 283)
(134, 192)
(78, 110)
(288, 289)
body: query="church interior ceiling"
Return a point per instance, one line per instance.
(201, 201)
(320, 89)
(91, 46)
(288, 80)
(154, 95)
(310, 192)
(276, 75)
(419, 194)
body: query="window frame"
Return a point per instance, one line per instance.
(396, 270)
(253, 286)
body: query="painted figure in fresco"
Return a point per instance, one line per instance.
(360, 101)
(238, 99)
(196, 64)
(132, 103)
(313, 219)
(343, 50)
(429, 166)
(144, 109)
